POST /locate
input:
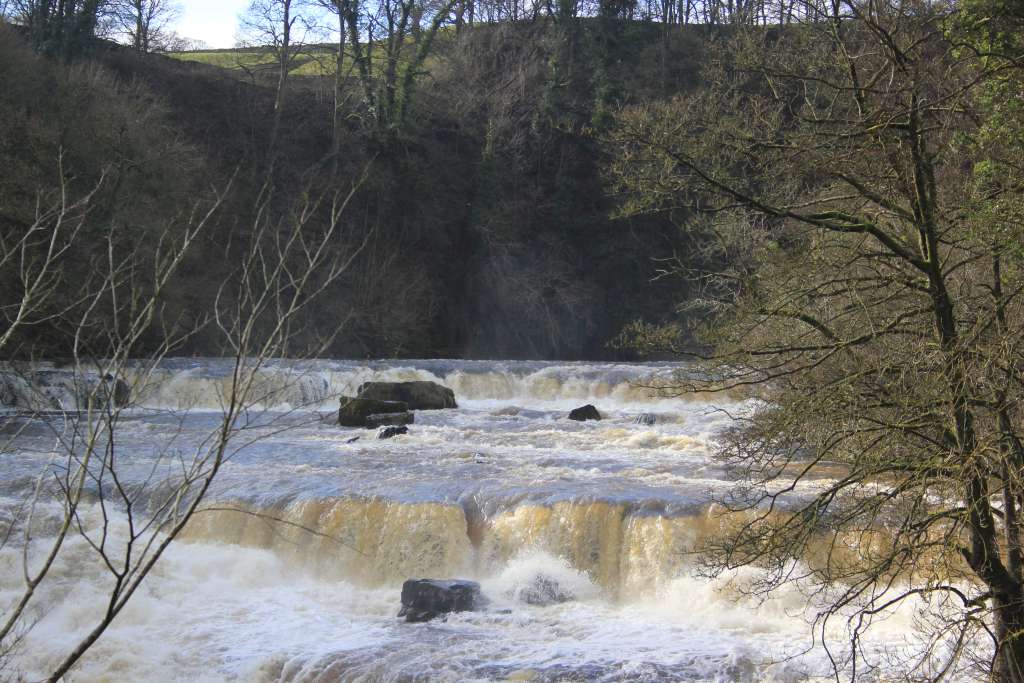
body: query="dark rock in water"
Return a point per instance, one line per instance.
(583, 413)
(391, 432)
(646, 419)
(389, 420)
(116, 390)
(355, 412)
(62, 390)
(543, 590)
(8, 393)
(417, 395)
(426, 599)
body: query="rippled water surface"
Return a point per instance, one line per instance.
(503, 489)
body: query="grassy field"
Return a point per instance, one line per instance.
(316, 61)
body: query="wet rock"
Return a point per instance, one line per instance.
(417, 395)
(426, 599)
(646, 419)
(392, 432)
(583, 413)
(115, 390)
(542, 590)
(8, 392)
(363, 412)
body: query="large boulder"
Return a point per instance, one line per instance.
(417, 395)
(583, 413)
(426, 599)
(364, 412)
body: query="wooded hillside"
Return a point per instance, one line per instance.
(489, 224)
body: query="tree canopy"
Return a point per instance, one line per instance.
(859, 177)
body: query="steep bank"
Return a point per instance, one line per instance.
(489, 226)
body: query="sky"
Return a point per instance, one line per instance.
(212, 21)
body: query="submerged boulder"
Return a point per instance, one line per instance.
(583, 413)
(516, 411)
(426, 599)
(364, 412)
(417, 395)
(646, 419)
(392, 432)
(542, 590)
(507, 411)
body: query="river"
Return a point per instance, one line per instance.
(504, 490)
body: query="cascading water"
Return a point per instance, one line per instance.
(503, 489)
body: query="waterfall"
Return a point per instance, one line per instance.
(580, 533)
(379, 542)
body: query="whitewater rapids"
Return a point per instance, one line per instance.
(503, 490)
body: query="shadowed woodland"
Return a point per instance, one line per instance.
(489, 223)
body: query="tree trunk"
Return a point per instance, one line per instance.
(140, 31)
(283, 62)
(362, 60)
(336, 119)
(1009, 664)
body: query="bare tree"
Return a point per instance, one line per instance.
(406, 32)
(341, 10)
(284, 28)
(286, 262)
(31, 258)
(146, 24)
(177, 43)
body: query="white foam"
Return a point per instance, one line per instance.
(522, 572)
(605, 510)
(181, 383)
(218, 612)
